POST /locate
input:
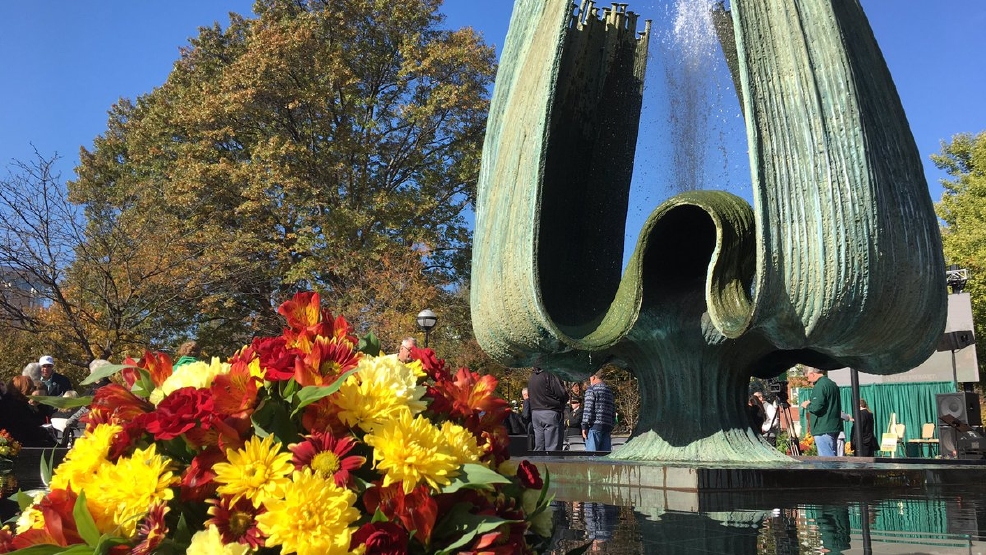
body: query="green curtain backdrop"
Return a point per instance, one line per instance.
(914, 404)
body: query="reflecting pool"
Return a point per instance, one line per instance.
(936, 520)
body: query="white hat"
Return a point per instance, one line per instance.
(46, 361)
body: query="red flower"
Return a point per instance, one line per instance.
(381, 538)
(236, 521)
(328, 358)
(6, 540)
(307, 321)
(197, 481)
(323, 415)
(235, 393)
(276, 360)
(179, 412)
(56, 508)
(31, 537)
(115, 404)
(529, 475)
(471, 393)
(416, 511)
(327, 456)
(152, 530)
(433, 366)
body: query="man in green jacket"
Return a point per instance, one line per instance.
(824, 412)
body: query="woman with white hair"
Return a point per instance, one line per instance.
(33, 371)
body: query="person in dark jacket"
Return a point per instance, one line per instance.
(548, 397)
(868, 443)
(55, 383)
(19, 418)
(573, 421)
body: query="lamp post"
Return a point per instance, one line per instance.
(427, 320)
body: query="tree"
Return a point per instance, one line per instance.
(962, 210)
(82, 291)
(317, 146)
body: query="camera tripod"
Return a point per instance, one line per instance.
(783, 412)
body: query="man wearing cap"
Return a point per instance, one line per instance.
(56, 383)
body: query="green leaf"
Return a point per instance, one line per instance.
(370, 344)
(273, 419)
(47, 466)
(288, 389)
(475, 476)
(379, 517)
(311, 393)
(62, 402)
(104, 371)
(84, 522)
(465, 526)
(24, 500)
(48, 549)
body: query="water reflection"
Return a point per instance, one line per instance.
(939, 521)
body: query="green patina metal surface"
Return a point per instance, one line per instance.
(838, 262)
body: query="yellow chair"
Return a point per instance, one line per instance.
(927, 438)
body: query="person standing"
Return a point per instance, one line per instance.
(867, 440)
(770, 423)
(55, 383)
(573, 421)
(548, 397)
(525, 414)
(598, 414)
(824, 414)
(188, 352)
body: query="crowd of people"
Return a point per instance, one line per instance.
(20, 414)
(823, 414)
(36, 424)
(554, 416)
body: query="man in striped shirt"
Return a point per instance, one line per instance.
(599, 410)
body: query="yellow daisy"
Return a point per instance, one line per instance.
(382, 388)
(120, 494)
(313, 518)
(411, 451)
(462, 443)
(258, 472)
(87, 455)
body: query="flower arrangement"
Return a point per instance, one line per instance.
(807, 445)
(311, 442)
(9, 447)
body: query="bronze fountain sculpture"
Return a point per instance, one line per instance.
(837, 263)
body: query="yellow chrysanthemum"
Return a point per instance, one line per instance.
(197, 374)
(258, 472)
(31, 517)
(313, 518)
(86, 456)
(382, 388)
(210, 542)
(462, 443)
(120, 494)
(410, 451)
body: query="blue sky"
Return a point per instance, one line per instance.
(64, 63)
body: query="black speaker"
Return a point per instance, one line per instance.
(954, 444)
(963, 406)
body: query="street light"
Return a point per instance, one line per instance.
(426, 321)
